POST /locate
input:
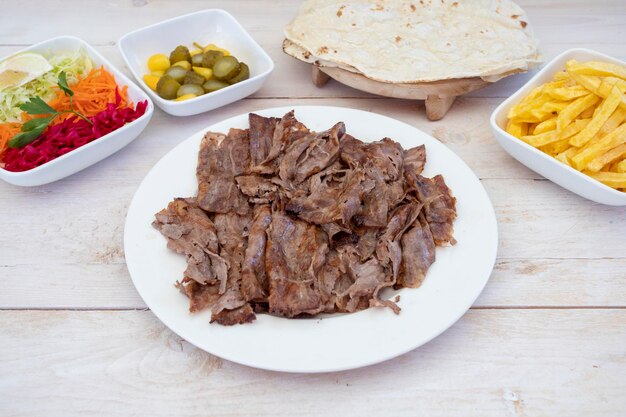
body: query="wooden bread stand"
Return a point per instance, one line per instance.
(438, 95)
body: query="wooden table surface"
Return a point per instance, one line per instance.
(546, 338)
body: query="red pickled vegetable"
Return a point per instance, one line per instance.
(70, 134)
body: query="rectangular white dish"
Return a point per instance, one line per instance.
(95, 151)
(552, 169)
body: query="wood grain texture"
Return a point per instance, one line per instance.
(599, 25)
(547, 337)
(68, 364)
(515, 283)
(80, 256)
(75, 226)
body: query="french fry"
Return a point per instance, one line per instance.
(525, 108)
(556, 148)
(517, 129)
(541, 139)
(612, 179)
(590, 83)
(589, 153)
(604, 69)
(548, 110)
(569, 113)
(603, 113)
(561, 145)
(566, 155)
(613, 122)
(588, 114)
(617, 153)
(617, 82)
(594, 84)
(579, 118)
(545, 126)
(536, 92)
(567, 93)
(562, 76)
(535, 99)
(612, 167)
(574, 128)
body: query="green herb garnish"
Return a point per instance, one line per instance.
(33, 128)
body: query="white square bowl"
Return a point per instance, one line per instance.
(95, 151)
(206, 26)
(552, 169)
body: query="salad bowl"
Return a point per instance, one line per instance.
(95, 151)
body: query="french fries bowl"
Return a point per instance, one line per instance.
(568, 123)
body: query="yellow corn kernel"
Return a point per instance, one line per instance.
(186, 97)
(205, 72)
(151, 81)
(195, 52)
(214, 47)
(158, 62)
(183, 64)
(158, 73)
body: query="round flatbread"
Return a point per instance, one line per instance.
(398, 41)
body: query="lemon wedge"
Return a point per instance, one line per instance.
(20, 69)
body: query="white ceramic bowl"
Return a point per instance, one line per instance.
(206, 26)
(92, 152)
(540, 162)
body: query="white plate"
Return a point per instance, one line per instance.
(331, 343)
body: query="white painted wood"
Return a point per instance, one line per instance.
(546, 337)
(76, 229)
(491, 363)
(598, 25)
(515, 283)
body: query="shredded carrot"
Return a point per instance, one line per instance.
(91, 95)
(7, 131)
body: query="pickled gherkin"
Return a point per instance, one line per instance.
(209, 58)
(181, 53)
(177, 73)
(226, 67)
(167, 87)
(190, 89)
(193, 78)
(188, 74)
(244, 74)
(213, 85)
(197, 59)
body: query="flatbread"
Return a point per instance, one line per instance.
(398, 41)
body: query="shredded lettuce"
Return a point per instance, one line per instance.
(75, 64)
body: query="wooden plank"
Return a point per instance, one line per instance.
(290, 72)
(497, 363)
(556, 282)
(602, 21)
(76, 228)
(595, 21)
(515, 283)
(554, 219)
(465, 130)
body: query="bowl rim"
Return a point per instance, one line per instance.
(532, 83)
(91, 52)
(206, 97)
